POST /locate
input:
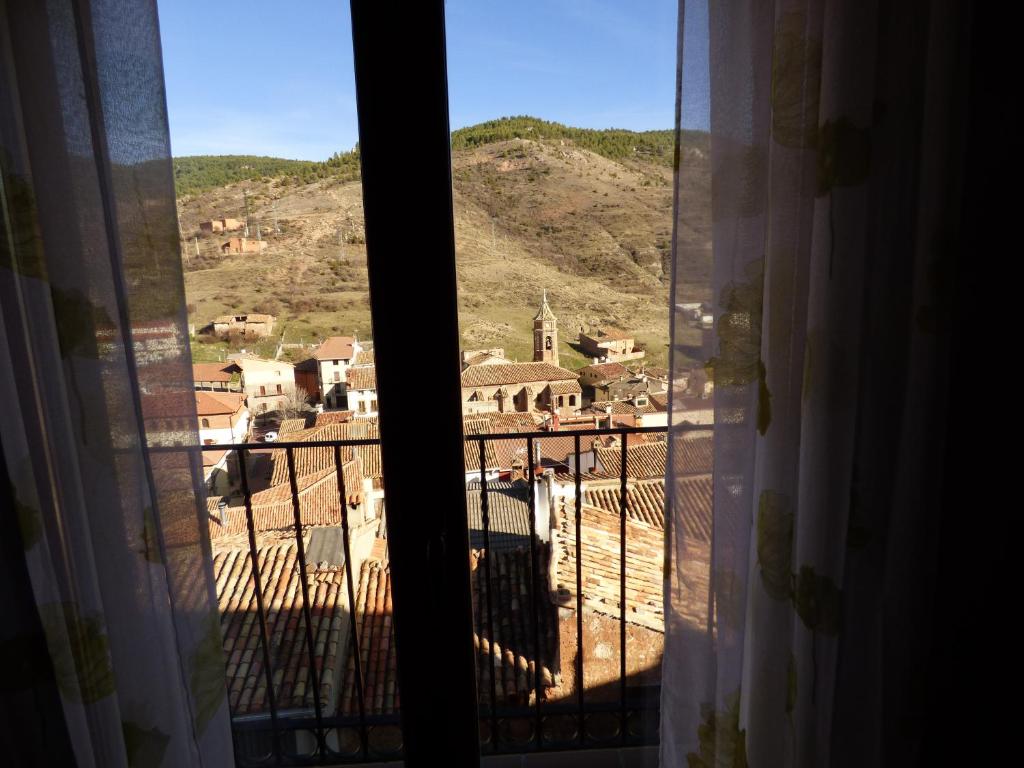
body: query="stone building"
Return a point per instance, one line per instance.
(242, 245)
(506, 387)
(250, 326)
(607, 345)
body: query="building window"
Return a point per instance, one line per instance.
(335, 362)
(547, 343)
(263, 390)
(373, 405)
(572, 400)
(362, 406)
(279, 389)
(205, 423)
(561, 401)
(337, 376)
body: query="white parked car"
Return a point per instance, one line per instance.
(270, 437)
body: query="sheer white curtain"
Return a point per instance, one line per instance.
(835, 160)
(94, 375)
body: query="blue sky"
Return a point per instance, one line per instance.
(265, 77)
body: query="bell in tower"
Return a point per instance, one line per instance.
(545, 334)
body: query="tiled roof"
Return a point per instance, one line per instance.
(621, 407)
(333, 417)
(600, 565)
(659, 401)
(606, 371)
(609, 334)
(364, 357)
(694, 453)
(218, 403)
(335, 348)
(565, 388)
(509, 653)
(645, 502)
(308, 460)
(513, 373)
(251, 361)
(500, 453)
(656, 372)
(363, 377)
(508, 514)
(289, 426)
(645, 460)
(286, 626)
(272, 508)
(211, 371)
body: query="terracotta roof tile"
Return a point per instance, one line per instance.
(212, 371)
(509, 653)
(645, 502)
(513, 373)
(272, 508)
(363, 377)
(333, 417)
(286, 627)
(645, 460)
(218, 403)
(508, 514)
(336, 348)
(565, 388)
(606, 371)
(309, 460)
(364, 357)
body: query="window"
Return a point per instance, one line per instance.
(561, 401)
(547, 343)
(362, 406)
(572, 400)
(205, 423)
(263, 390)
(279, 389)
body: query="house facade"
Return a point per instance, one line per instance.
(333, 357)
(361, 382)
(267, 384)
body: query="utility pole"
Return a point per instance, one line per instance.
(273, 208)
(245, 197)
(197, 244)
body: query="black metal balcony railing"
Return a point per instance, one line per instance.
(337, 737)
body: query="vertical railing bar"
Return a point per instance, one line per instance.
(343, 498)
(488, 555)
(258, 588)
(306, 612)
(622, 590)
(580, 679)
(535, 585)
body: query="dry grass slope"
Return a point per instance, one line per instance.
(595, 232)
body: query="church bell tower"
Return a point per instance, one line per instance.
(545, 334)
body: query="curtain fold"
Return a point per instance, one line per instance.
(836, 153)
(95, 378)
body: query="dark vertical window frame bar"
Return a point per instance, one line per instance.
(485, 515)
(257, 579)
(401, 81)
(354, 632)
(622, 589)
(535, 585)
(580, 678)
(307, 612)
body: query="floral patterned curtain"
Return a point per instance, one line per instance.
(835, 154)
(95, 379)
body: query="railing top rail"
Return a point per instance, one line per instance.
(539, 434)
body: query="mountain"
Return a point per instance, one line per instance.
(585, 214)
